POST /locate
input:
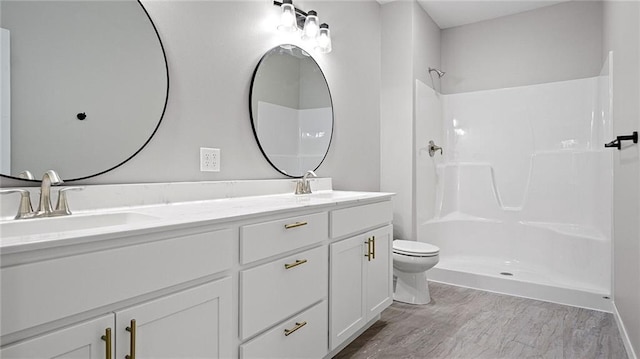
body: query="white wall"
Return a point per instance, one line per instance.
(554, 43)
(410, 44)
(622, 36)
(396, 113)
(212, 49)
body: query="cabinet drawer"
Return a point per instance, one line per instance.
(271, 292)
(308, 341)
(41, 292)
(262, 240)
(355, 219)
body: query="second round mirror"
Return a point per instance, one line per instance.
(291, 110)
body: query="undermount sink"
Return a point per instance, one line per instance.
(27, 227)
(330, 194)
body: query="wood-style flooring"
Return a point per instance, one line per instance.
(467, 323)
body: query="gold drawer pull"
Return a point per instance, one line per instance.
(288, 332)
(107, 338)
(132, 348)
(369, 254)
(294, 225)
(295, 264)
(373, 248)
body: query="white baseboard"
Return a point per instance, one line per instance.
(623, 333)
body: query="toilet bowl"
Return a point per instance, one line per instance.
(411, 260)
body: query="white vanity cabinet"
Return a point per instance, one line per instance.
(298, 279)
(361, 270)
(192, 323)
(283, 303)
(103, 282)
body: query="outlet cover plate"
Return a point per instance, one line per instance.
(209, 159)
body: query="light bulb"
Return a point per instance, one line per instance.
(288, 17)
(310, 29)
(324, 40)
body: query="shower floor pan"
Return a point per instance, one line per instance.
(520, 281)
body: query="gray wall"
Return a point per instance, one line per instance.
(410, 43)
(554, 43)
(622, 36)
(212, 49)
(426, 47)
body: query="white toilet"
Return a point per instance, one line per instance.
(411, 260)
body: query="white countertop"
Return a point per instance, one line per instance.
(178, 215)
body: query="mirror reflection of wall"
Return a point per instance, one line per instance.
(291, 110)
(100, 58)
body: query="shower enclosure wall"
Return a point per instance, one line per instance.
(523, 190)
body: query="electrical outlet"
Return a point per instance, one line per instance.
(209, 159)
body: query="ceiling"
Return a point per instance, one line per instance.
(450, 13)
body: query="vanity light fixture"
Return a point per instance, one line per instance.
(323, 44)
(292, 19)
(311, 26)
(288, 17)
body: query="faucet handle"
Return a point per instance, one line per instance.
(299, 186)
(26, 174)
(25, 209)
(62, 207)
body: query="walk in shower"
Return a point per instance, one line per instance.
(522, 200)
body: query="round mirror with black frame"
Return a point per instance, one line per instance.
(291, 110)
(89, 86)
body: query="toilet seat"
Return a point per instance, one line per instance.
(414, 248)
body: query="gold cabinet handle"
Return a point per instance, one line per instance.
(288, 332)
(373, 247)
(107, 338)
(294, 225)
(295, 264)
(368, 255)
(132, 349)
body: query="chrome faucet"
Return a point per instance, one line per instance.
(45, 209)
(50, 178)
(303, 186)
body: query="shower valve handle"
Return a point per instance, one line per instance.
(433, 148)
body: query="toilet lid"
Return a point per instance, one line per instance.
(413, 247)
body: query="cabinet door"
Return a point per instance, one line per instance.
(379, 273)
(347, 313)
(195, 323)
(79, 341)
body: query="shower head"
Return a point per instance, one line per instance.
(440, 73)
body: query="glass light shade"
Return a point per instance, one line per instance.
(324, 39)
(288, 18)
(311, 26)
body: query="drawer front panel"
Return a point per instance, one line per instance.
(356, 219)
(270, 293)
(309, 340)
(40, 292)
(262, 240)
